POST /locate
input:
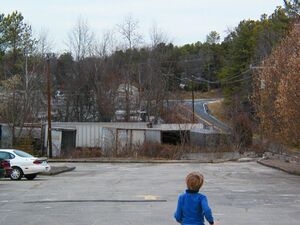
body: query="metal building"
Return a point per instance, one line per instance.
(68, 135)
(116, 136)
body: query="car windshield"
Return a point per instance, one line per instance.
(22, 154)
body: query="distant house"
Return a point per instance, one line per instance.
(127, 100)
(135, 115)
(127, 92)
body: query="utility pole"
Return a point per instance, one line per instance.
(49, 141)
(193, 103)
(192, 86)
(262, 81)
(140, 84)
(208, 85)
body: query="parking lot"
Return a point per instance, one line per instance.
(144, 194)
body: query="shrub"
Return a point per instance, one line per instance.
(158, 151)
(83, 153)
(243, 131)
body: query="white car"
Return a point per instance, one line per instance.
(24, 164)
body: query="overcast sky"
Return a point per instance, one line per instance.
(185, 21)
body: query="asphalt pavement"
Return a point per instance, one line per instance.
(144, 194)
(201, 110)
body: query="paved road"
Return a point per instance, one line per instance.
(201, 110)
(239, 193)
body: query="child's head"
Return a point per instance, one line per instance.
(194, 181)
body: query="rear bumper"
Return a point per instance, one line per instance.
(36, 169)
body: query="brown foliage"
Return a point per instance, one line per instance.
(152, 150)
(177, 114)
(277, 91)
(83, 153)
(243, 130)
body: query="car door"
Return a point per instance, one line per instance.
(9, 156)
(6, 155)
(23, 160)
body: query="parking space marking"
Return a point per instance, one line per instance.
(148, 197)
(97, 200)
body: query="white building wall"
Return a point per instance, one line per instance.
(138, 137)
(96, 134)
(90, 134)
(108, 136)
(153, 136)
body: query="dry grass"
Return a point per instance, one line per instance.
(83, 153)
(178, 114)
(215, 93)
(218, 111)
(159, 151)
(293, 149)
(150, 151)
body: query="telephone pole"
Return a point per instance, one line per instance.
(49, 141)
(193, 103)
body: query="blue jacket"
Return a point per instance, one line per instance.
(191, 209)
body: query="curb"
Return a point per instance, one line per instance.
(241, 160)
(158, 161)
(58, 171)
(293, 172)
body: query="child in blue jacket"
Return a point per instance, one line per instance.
(192, 206)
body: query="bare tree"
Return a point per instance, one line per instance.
(81, 39)
(157, 36)
(78, 92)
(21, 102)
(44, 44)
(106, 44)
(128, 30)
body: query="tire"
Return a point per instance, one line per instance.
(16, 173)
(30, 176)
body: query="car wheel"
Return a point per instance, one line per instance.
(16, 173)
(30, 176)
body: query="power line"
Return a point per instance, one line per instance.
(203, 80)
(222, 80)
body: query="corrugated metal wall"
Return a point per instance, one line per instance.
(115, 138)
(138, 137)
(108, 139)
(90, 134)
(206, 139)
(104, 135)
(153, 136)
(6, 136)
